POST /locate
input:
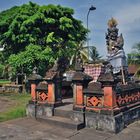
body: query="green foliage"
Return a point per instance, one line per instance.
(18, 109)
(1, 70)
(13, 114)
(1, 58)
(83, 53)
(5, 82)
(51, 25)
(31, 57)
(134, 56)
(48, 31)
(1, 65)
(87, 54)
(94, 54)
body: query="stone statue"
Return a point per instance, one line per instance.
(115, 42)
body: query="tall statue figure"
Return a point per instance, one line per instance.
(115, 42)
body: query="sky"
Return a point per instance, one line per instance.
(126, 12)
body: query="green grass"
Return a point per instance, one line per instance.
(5, 82)
(18, 109)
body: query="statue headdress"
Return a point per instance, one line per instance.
(112, 23)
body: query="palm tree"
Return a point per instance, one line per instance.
(94, 54)
(83, 53)
(87, 54)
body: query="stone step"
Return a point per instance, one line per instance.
(62, 122)
(63, 113)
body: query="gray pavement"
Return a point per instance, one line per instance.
(30, 129)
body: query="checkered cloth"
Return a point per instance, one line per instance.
(94, 70)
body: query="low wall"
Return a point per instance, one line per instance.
(122, 108)
(10, 88)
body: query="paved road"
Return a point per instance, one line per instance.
(30, 129)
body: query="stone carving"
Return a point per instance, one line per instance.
(115, 42)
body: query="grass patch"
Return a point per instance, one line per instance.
(18, 109)
(5, 82)
(12, 114)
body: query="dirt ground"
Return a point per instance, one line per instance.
(30, 129)
(5, 103)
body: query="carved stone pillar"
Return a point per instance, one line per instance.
(108, 86)
(80, 81)
(54, 89)
(34, 79)
(109, 96)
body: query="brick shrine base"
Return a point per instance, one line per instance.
(112, 123)
(98, 121)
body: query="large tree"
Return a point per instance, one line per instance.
(32, 57)
(48, 26)
(41, 25)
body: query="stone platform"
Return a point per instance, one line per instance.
(64, 116)
(112, 123)
(61, 115)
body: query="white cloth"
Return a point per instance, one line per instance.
(118, 61)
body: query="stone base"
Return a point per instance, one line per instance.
(112, 123)
(100, 121)
(78, 116)
(35, 111)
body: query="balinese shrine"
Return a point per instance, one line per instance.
(100, 95)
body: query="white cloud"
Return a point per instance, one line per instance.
(129, 17)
